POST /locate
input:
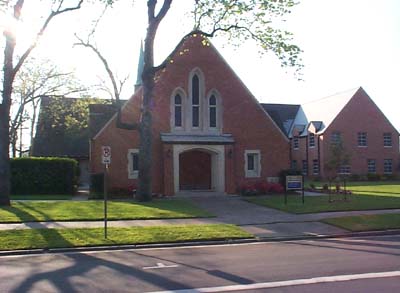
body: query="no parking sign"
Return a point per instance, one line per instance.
(106, 155)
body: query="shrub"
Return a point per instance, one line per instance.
(43, 175)
(374, 177)
(247, 189)
(276, 188)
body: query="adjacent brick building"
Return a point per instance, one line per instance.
(370, 142)
(209, 131)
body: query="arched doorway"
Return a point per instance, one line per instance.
(203, 167)
(195, 169)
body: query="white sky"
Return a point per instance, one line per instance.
(346, 43)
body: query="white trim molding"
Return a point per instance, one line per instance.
(256, 172)
(132, 174)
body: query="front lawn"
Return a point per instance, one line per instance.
(63, 238)
(366, 222)
(31, 211)
(384, 188)
(317, 204)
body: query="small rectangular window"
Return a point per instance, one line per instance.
(135, 162)
(311, 140)
(295, 143)
(371, 166)
(252, 163)
(336, 137)
(362, 139)
(315, 167)
(388, 166)
(304, 167)
(387, 139)
(294, 165)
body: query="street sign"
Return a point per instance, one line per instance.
(106, 155)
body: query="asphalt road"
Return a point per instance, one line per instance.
(369, 264)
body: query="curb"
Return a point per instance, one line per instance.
(196, 243)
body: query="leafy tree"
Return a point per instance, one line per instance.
(239, 20)
(11, 67)
(35, 79)
(338, 157)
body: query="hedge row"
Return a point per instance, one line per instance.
(43, 175)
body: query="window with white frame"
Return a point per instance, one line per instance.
(315, 167)
(195, 101)
(387, 166)
(371, 163)
(311, 140)
(387, 139)
(304, 167)
(336, 137)
(295, 143)
(252, 163)
(362, 139)
(133, 163)
(212, 111)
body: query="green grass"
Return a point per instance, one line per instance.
(316, 204)
(63, 238)
(31, 211)
(41, 197)
(383, 188)
(366, 222)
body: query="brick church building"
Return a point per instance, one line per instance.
(209, 131)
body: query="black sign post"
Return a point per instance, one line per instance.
(106, 160)
(105, 199)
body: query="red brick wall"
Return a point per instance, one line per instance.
(362, 115)
(243, 117)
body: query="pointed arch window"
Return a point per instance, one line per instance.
(178, 110)
(212, 111)
(195, 101)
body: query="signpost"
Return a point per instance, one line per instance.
(106, 160)
(294, 182)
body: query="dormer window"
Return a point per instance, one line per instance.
(178, 110)
(195, 101)
(212, 111)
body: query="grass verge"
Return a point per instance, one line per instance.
(366, 222)
(64, 238)
(317, 204)
(93, 210)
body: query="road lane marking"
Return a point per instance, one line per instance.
(316, 280)
(160, 265)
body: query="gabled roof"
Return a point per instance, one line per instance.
(326, 109)
(283, 115)
(54, 138)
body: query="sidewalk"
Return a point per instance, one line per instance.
(261, 221)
